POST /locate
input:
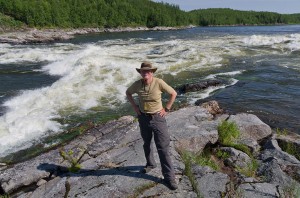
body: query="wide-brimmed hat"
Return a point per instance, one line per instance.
(146, 66)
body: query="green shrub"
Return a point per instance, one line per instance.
(222, 154)
(228, 136)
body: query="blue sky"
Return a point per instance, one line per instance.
(280, 6)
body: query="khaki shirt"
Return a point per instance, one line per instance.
(150, 95)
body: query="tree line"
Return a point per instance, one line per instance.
(225, 16)
(93, 13)
(128, 13)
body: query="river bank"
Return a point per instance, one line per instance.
(110, 157)
(32, 35)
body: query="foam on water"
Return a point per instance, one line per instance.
(40, 53)
(88, 79)
(233, 73)
(289, 41)
(294, 45)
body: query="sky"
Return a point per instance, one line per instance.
(279, 6)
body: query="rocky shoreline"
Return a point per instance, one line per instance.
(111, 155)
(52, 35)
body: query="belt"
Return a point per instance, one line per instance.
(151, 114)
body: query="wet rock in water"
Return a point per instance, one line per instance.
(197, 86)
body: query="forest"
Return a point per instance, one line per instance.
(125, 13)
(213, 17)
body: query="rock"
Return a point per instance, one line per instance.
(252, 129)
(273, 173)
(236, 159)
(192, 128)
(41, 182)
(197, 86)
(113, 157)
(272, 144)
(50, 35)
(57, 187)
(27, 173)
(280, 156)
(3, 166)
(185, 190)
(280, 168)
(34, 36)
(250, 126)
(30, 172)
(263, 190)
(111, 136)
(212, 107)
(210, 183)
(251, 143)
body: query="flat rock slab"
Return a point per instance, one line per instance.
(210, 183)
(113, 156)
(193, 128)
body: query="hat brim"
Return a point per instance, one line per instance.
(146, 69)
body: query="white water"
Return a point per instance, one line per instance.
(97, 75)
(233, 73)
(289, 42)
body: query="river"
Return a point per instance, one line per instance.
(46, 89)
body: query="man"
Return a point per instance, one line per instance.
(151, 116)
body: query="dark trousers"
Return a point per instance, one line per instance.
(155, 125)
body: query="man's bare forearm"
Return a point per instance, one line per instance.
(171, 100)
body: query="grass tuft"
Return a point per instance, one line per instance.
(228, 132)
(204, 159)
(291, 149)
(201, 159)
(228, 136)
(187, 160)
(222, 154)
(141, 189)
(72, 159)
(281, 132)
(251, 168)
